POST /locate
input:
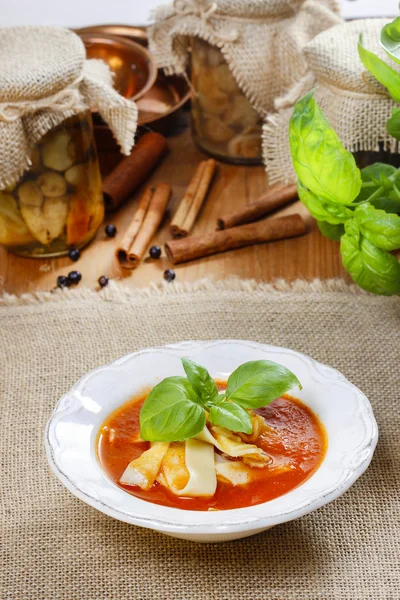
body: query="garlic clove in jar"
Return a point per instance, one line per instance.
(78, 175)
(13, 229)
(36, 223)
(55, 154)
(55, 211)
(245, 145)
(52, 184)
(214, 104)
(42, 219)
(30, 194)
(215, 130)
(30, 202)
(240, 112)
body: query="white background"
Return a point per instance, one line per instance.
(75, 13)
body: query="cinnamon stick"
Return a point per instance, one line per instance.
(273, 199)
(186, 202)
(268, 230)
(200, 196)
(130, 258)
(133, 170)
(122, 251)
(193, 199)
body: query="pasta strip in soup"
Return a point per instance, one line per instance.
(188, 469)
(143, 470)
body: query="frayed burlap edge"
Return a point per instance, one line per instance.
(119, 292)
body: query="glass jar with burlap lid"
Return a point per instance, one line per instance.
(356, 105)
(50, 184)
(244, 54)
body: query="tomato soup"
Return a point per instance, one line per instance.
(293, 433)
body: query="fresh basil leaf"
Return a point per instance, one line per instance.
(321, 162)
(333, 232)
(393, 124)
(322, 210)
(232, 416)
(389, 205)
(390, 39)
(380, 228)
(373, 269)
(387, 76)
(171, 412)
(376, 178)
(258, 383)
(378, 188)
(202, 382)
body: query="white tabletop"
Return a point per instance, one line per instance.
(78, 13)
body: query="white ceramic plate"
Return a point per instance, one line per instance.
(71, 434)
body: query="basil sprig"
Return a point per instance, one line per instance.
(175, 409)
(358, 208)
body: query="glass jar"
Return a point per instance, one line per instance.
(225, 125)
(58, 203)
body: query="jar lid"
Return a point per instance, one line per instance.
(36, 62)
(261, 40)
(343, 68)
(45, 79)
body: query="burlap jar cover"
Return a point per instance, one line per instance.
(355, 104)
(261, 40)
(44, 79)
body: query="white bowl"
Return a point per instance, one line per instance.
(71, 434)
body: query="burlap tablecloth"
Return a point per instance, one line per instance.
(55, 547)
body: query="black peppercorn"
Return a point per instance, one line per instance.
(74, 254)
(103, 280)
(155, 252)
(110, 230)
(169, 275)
(62, 281)
(74, 277)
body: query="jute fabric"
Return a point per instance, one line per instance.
(44, 79)
(55, 547)
(261, 40)
(356, 105)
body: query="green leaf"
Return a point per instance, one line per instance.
(321, 162)
(389, 205)
(379, 181)
(380, 228)
(393, 124)
(171, 412)
(322, 210)
(258, 383)
(387, 76)
(390, 39)
(202, 382)
(373, 269)
(333, 232)
(232, 416)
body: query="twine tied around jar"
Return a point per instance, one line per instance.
(67, 99)
(204, 11)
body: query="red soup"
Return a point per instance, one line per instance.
(293, 433)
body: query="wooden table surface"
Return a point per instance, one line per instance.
(305, 257)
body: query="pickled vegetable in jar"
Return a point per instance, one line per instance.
(58, 203)
(224, 122)
(50, 185)
(245, 55)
